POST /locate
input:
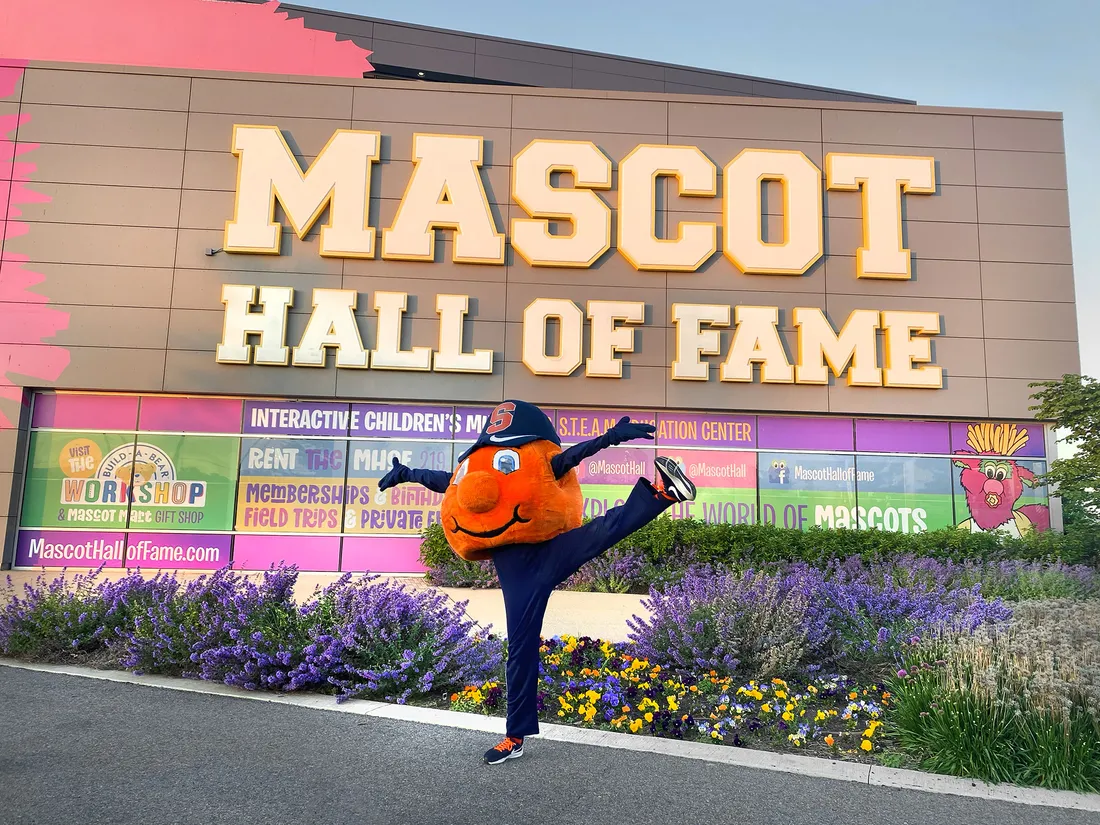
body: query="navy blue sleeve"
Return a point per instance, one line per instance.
(563, 462)
(435, 480)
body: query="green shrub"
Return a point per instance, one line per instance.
(666, 546)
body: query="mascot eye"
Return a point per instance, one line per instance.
(990, 472)
(1001, 474)
(460, 473)
(506, 461)
(782, 465)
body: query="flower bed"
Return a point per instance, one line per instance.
(858, 661)
(596, 684)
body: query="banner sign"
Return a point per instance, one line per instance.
(900, 495)
(292, 485)
(165, 482)
(392, 421)
(803, 491)
(401, 510)
(725, 483)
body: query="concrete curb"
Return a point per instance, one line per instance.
(745, 758)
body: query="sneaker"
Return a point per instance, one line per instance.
(673, 481)
(509, 748)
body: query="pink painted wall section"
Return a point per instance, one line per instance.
(26, 320)
(382, 554)
(190, 415)
(314, 554)
(64, 411)
(175, 34)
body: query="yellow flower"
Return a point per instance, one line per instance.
(636, 726)
(672, 705)
(766, 708)
(788, 716)
(561, 713)
(789, 707)
(649, 717)
(812, 689)
(829, 740)
(866, 745)
(779, 694)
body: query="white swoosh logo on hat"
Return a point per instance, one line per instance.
(499, 438)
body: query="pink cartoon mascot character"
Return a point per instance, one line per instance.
(993, 482)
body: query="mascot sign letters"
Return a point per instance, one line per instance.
(556, 184)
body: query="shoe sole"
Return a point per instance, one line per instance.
(513, 755)
(673, 476)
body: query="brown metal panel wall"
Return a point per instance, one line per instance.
(140, 179)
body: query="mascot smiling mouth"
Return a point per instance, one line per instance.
(489, 534)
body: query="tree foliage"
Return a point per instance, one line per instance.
(1073, 403)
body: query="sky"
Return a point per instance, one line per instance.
(1010, 54)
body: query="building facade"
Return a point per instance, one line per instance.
(228, 300)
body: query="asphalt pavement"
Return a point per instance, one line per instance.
(77, 751)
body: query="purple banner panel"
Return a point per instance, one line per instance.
(878, 436)
(470, 421)
(160, 413)
(63, 548)
(65, 411)
(790, 433)
(619, 465)
(178, 551)
(405, 421)
(296, 418)
(313, 554)
(382, 554)
(706, 430)
(575, 426)
(1000, 438)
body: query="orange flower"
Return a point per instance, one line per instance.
(829, 740)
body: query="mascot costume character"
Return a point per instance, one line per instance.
(515, 498)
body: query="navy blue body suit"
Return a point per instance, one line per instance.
(529, 573)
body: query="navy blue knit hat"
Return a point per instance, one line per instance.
(513, 423)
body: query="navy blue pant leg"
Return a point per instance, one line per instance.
(525, 581)
(571, 551)
(529, 573)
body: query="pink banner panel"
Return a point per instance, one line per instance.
(190, 415)
(65, 411)
(382, 554)
(314, 554)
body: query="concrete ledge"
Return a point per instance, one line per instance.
(741, 757)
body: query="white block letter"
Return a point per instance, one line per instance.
(269, 324)
(570, 336)
(904, 351)
(589, 215)
(388, 354)
(332, 324)
(445, 191)
(818, 343)
(883, 179)
(803, 232)
(452, 311)
(692, 341)
(639, 171)
(756, 340)
(608, 339)
(339, 178)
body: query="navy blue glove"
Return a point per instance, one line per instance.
(627, 430)
(398, 475)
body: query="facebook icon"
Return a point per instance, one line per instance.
(777, 473)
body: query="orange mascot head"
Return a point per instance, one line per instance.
(505, 490)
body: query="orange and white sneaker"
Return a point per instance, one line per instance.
(673, 481)
(509, 748)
